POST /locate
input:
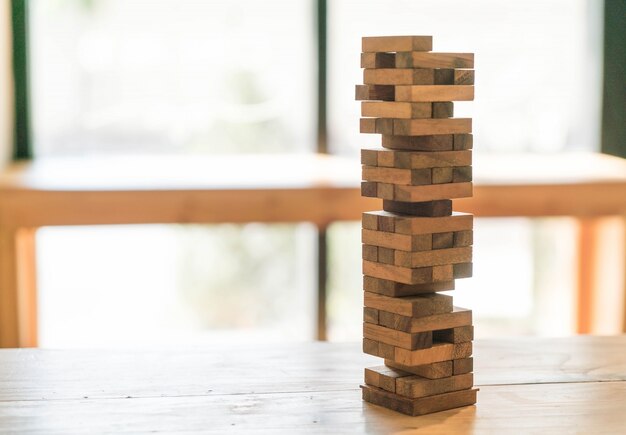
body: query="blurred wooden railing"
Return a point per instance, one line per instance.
(296, 188)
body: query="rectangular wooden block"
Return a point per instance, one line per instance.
(413, 225)
(431, 126)
(407, 275)
(440, 142)
(396, 43)
(375, 92)
(378, 60)
(462, 365)
(411, 306)
(370, 315)
(416, 386)
(463, 141)
(463, 76)
(376, 348)
(416, 193)
(408, 76)
(438, 370)
(383, 377)
(461, 174)
(421, 406)
(463, 270)
(406, 242)
(418, 93)
(435, 257)
(456, 318)
(437, 208)
(438, 352)
(415, 59)
(420, 340)
(392, 109)
(414, 159)
(459, 334)
(413, 177)
(396, 289)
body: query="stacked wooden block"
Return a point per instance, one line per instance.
(416, 246)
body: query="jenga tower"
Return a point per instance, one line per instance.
(416, 246)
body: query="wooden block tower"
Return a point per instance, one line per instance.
(416, 246)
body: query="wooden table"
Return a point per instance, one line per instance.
(271, 188)
(569, 385)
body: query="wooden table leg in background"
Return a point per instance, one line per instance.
(587, 254)
(18, 290)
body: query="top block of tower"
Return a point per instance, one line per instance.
(373, 44)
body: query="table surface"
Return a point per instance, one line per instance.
(566, 385)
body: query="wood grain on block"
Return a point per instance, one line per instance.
(392, 109)
(443, 109)
(440, 142)
(405, 242)
(463, 76)
(442, 240)
(376, 348)
(417, 386)
(420, 340)
(435, 257)
(374, 92)
(418, 193)
(436, 370)
(386, 255)
(461, 174)
(383, 377)
(369, 253)
(397, 289)
(442, 175)
(463, 141)
(408, 76)
(438, 208)
(370, 315)
(376, 125)
(463, 238)
(413, 177)
(412, 225)
(415, 59)
(396, 43)
(378, 60)
(438, 352)
(457, 318)
(367, 125)
(415, 159)
(463, 270)
(462, 365)
(430, 126)
(369, 189)
(411, 306)
(421, 406)
(459, 334)
(433, 93)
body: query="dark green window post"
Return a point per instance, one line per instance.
(22, 135)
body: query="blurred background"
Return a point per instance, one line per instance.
(101, 79)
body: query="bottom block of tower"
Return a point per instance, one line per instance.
(421, 406)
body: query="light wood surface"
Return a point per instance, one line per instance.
(269, 188)
(562, 386)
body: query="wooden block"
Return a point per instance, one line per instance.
(442, 109)
(434, 93)
(378, 60)
(396, 43)
(416, 386)
(374, 92)
(392, 109)
(410, 306)
(421, 406)
(418, 193)
(459, 334)
(463, 270)
(438, 208)
(438, 352)
(420, 340)
(369, 189)
(442, 175)
(367, 125)
(435, 257)
(386, 255)
(416, 59)
(430, 126)
(463, 238)
(413, 177)
(370, 315)
(440, 142)
(457, 318)
(404, 224)
(462, 365)
(376, 125)
(463, 76)
(463, 141)
(442, 240)
(415, 159)
(405, 242)
(408, 76)
(379, 349)
(397, 289)
(436, 370)
(383, 377)
(406, 275)
(461, 174)
(370, 253)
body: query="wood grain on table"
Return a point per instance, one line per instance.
(568, 385)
